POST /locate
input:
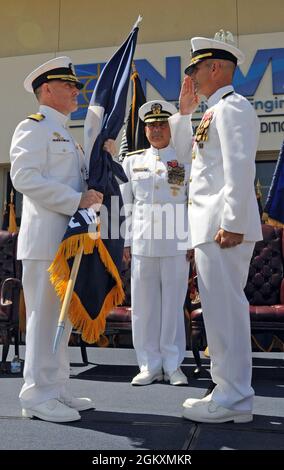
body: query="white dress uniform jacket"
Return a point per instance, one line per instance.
(223, 168)
(155, 200)
(48, 167)
(222, 195)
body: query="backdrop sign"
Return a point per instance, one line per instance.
(160, 67)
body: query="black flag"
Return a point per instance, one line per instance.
(134, 137)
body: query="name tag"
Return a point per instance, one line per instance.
(140, 169)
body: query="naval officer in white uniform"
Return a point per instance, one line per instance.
(155, 201)
(48, 167)
(224, 226)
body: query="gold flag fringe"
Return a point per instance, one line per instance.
(90, 329)
(273, 222)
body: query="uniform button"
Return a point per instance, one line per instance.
(190, 202)
(158, 158)
(193, 157)
(190, 179)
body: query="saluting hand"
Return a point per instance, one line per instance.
(188, 99)
(228, 239)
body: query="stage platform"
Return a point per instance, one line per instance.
(143, 418)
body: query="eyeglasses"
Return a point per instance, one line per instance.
(162, 124)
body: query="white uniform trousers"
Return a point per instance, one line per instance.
(158, 290)
(45, 374)
(222, 276)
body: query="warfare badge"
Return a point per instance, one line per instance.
(59, 138)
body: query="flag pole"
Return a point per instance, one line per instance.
(114, 84)
(67, 299)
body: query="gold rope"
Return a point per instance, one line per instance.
(133, 76)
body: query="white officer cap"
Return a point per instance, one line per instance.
(158, 110)
(221, 47)
(60, 68)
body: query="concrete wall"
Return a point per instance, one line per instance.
(32, 27)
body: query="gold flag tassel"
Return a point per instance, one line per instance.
(12, 215)
(133, 76)
(91, 329)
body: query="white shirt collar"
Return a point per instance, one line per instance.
(162, 151)
(213, 99)
(54, 114)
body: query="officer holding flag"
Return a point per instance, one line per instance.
(48, 167)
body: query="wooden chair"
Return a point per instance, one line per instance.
(118, 323)
(10, 285)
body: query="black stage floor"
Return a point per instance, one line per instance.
(144, 418)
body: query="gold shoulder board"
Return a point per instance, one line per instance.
(36, 117)
(135, 152)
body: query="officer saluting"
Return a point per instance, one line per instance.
(157, 190)
(224, 225)
(48, 167)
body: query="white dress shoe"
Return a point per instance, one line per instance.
(79, 404)
(52, 410)
(147, 377)
(208, 411)
(176, 378)
(191, 401)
